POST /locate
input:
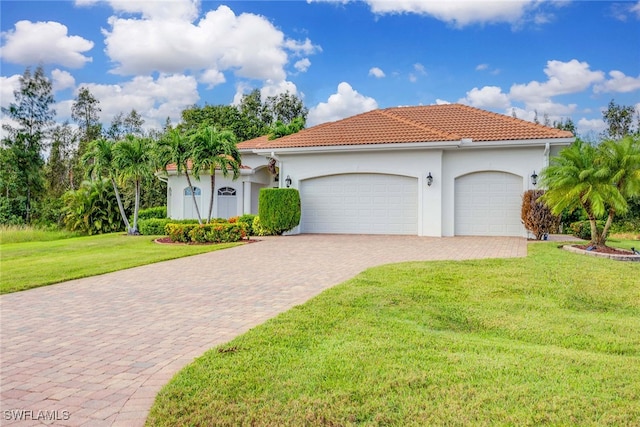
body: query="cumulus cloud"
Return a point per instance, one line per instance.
(590, 126)
(8, 85)
(160, 9)
(619, 82)
(462, 13)
(302, 65)
(563, 78)
(248, 45)
(153, 99)
(345, 103)
(490, 97)
(376, 72)
(62, 80)
(44, 42)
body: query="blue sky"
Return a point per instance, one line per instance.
(566, 59)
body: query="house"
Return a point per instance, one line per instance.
(439, 170)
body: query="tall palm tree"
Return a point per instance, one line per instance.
(212, 150)
(134, 161)
(175, 148)
(99, 162)
(620, 163)
(575, 180)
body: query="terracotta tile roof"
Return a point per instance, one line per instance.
(434, 123)
(172, 167)
(253, 143)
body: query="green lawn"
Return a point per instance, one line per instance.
(552, 339)
(29, 264)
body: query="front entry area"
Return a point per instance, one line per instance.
(362, 203)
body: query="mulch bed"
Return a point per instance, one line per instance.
(604, 249)
(167, 241)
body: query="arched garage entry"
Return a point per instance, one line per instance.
(488, 204)
(362, 203)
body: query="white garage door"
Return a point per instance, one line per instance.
(360, 204)
(488, 204)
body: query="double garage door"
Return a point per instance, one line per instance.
(486, 204)
(360, 204)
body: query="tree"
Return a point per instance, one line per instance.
(89, 209)
(565, 124)
(132, 158)
(212, 150)
(536, 215)
(286, 108)
(619, 120)
(33, 113)
(58, 170)
(85, 111)
(175, 148)
(280, 129)
(132, 124)
(99, 162)
(599, 180)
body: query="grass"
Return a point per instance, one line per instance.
(22, 233)
(33, 263)
(548, 339)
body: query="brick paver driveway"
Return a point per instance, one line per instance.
(96, 351)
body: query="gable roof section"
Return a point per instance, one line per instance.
(433, 123)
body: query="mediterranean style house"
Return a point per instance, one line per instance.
(439, 170)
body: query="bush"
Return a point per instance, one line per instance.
(536, 215)
(159, 212)
(92, 208)
(206, 233)
(153, 226)
(247, 220)
(582, 229)
(259, 229)
(279, 209)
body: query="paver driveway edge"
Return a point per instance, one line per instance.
(96, 351)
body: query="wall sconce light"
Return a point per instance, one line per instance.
(534, 178)
(429, 179)
(288, 181)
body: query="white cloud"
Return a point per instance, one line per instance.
(619, 82)
(345, 103)
(442, 102)
(8, 85)
(636, 9)
(302, 65)
(482, 67)
(153, 99)
(563, 78)
(459, 13)
(157, 9)
(62, 80)
(273, 88)
(590, 126)
(376, 72)
(247, 44)
(44, 42)
(212, 78)
(488, 97)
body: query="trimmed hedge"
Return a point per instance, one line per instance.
(247, 220)
(156, 226)
(279, 209)
(206, 233)
(259, 229)
(159, 212)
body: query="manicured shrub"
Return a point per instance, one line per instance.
(159, 212)
(206, 233)
(279, 209)
(582, 229)
(247, 220)
(92, 208)
(259, 229)
(536, 215)
(153, 226)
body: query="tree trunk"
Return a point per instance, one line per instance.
(136, 208)
(122, 212)
(607, 225)
(193, 196)
(213, 187)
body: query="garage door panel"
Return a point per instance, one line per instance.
(360, 203)
(488, 204)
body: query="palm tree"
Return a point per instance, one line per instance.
(134, 161)
(574, 180)
(175, 148)
(620, 162)
(212, 150)
(98, 162)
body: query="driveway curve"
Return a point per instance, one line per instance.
(96, 351)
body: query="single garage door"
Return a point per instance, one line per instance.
(488, 204)
(360, 204)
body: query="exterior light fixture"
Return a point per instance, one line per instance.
(429, 179)
(534, 178)
(288, 181)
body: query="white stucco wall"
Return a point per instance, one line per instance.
(436, 203)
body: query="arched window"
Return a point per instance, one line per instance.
(196, 191)
(227, 191)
